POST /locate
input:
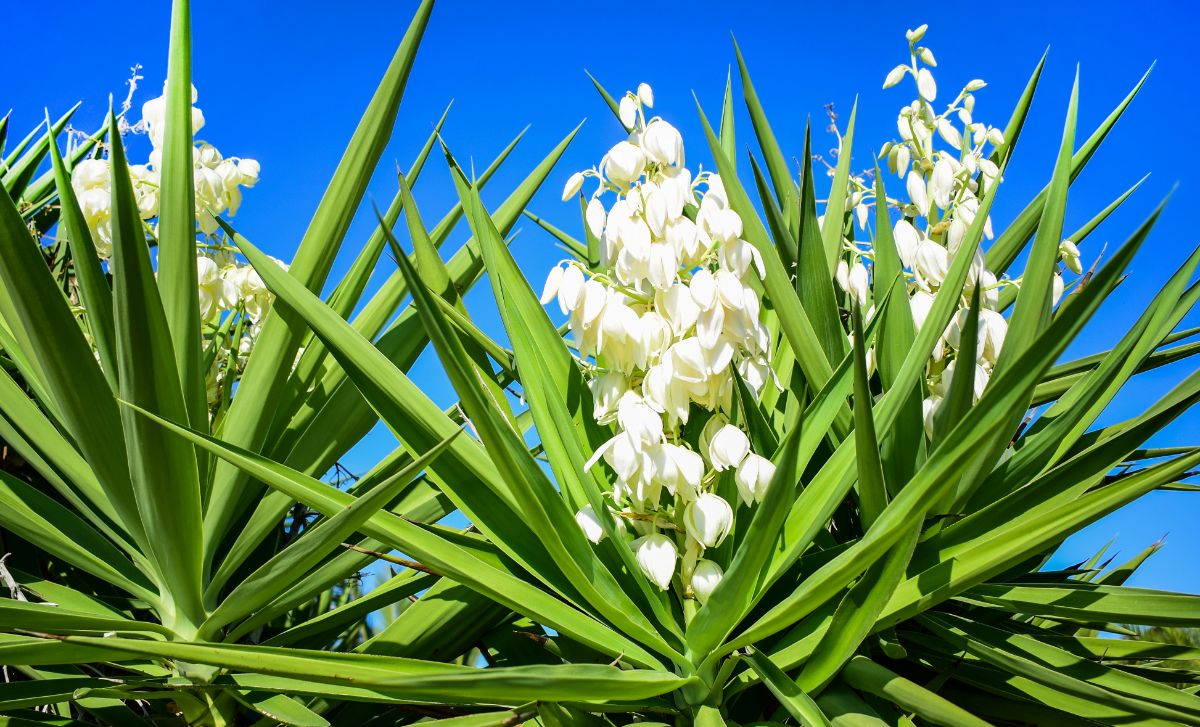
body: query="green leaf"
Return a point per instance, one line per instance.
(177, 219)
(280, 708)
(251, 415)
(163, 468)
(411, 679)
(867, 676)
(791, 697)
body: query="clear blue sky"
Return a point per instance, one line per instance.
(286, 83)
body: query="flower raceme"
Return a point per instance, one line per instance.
(660, 324)
(224, 284)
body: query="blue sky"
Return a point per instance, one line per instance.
(287, 87)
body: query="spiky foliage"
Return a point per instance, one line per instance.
(170, 564)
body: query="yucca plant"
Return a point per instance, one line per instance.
(806, 511)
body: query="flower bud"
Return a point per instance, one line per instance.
(754, 477)
(705, 578)
(646, 94)
(589, 522)
(574, 184)
(975, 84)
(894, 76)
(1069, 252)
(1056, 292)
(656, 555)
(926, 57)
(915, 36)
(926, 85)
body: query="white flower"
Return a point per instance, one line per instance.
(727, 447)
(663, 143)
(753, 477)
(214, 291)
(638, 419)
(894, 76)
(249, 170)
(570, 288)
(550, 289)
(975, 85)
(926, 85)
(857, 284)
(915, 185)
(623, 163)
(607, 390)
(708, 519)
(926, 56)
(1069, 252)
(929, 408)
(907, 240)
(941, 182)
(915, 36)
(589, 522)
(705, 578)
(627, 110)
(950, 134)
(90, 174)
(574, 184)
(656, 556)
(919, 304)
(933, 262)
(678, 468)
(1057, 289)
(645, 94)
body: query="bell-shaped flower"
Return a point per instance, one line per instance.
(753, 477)
(678, 468)
(1056, 290)
(683, 235)
(708, 519)
(623, 164)
(992, 328)
(907, 239)
(920, 304)
(705, 577)
(639, 420)
(663, 143)
(589, 522)
(941, 182)
(607, 390)
(727, 447)
(933, 262)
(915, 184)
(738, 256)
(550, 289)
(570, 288)
(627, 111)
(857, 283)
(656, 556)
(929, 408)
(663, 266)
(665, 392)
(90, 174)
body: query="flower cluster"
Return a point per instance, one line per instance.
(660, 324)
(224, 284)
(218, 180)
(947, 161)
